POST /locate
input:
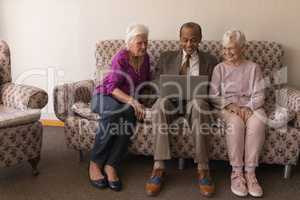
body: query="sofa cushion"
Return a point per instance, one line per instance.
(84, 110)
(12, 117)
(280, 117)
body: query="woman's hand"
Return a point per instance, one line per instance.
(139, 109)
(124, 98)
(243, 112)
(233, 108)
(246, 113)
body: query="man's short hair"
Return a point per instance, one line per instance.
(192, 25)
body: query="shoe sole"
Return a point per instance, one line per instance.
(238, 193)
(255, 195)
(151, 194)
(206, 195)
(97, 186)
(154, 194)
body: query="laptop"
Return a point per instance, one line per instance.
(183, 87)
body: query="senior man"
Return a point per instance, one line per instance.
(190, 61)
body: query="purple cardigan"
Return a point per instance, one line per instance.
(123, 76)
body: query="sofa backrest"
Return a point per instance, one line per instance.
(5, 70)
(267, 54)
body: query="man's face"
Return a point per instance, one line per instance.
(189, 40)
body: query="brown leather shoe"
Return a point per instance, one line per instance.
(154, 184)
(206, 185)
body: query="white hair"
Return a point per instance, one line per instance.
(134, 30)
(234, 36)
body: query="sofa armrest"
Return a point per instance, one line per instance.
(67, 94)
(290, 98)
(297, 120)
(23, 97)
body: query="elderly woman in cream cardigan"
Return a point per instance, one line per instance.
(239, 85)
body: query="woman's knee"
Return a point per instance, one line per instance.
(233, 121)
(103, 104)
(258, 119)
(128, 112)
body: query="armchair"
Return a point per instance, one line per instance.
(20, 130)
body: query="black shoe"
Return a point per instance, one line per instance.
(100, 184)
(115, 185)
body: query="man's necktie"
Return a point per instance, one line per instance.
(185, 66)
(183, 71)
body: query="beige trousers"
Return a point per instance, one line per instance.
(244, 140)
(164, 112)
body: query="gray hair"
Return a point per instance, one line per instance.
(234, 36)
(134, 30)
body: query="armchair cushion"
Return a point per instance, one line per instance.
(84, 110)
(23, 97)
(12, 117)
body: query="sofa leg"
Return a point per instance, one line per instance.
(287, 171)
(80, 155)
(34, 163)
(181, 163)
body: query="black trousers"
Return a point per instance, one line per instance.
(116, 126)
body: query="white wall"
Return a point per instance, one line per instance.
(58, 37)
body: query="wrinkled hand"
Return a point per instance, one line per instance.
(139, 109)
(246, 113)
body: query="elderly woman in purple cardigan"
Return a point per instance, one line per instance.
(115, 102)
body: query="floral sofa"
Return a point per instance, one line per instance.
(71, 104)
(20, 130)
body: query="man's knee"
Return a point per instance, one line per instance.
(163, 104)
(200, 105)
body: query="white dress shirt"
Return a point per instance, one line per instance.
(194, 63)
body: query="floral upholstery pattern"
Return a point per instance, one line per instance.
(281, 145)
(20, 143)
(5, 70)
(20, 130)
(280, 117)
(23, 97)
(68, 94)
(84, 110)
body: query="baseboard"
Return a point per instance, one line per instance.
(57, 123)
